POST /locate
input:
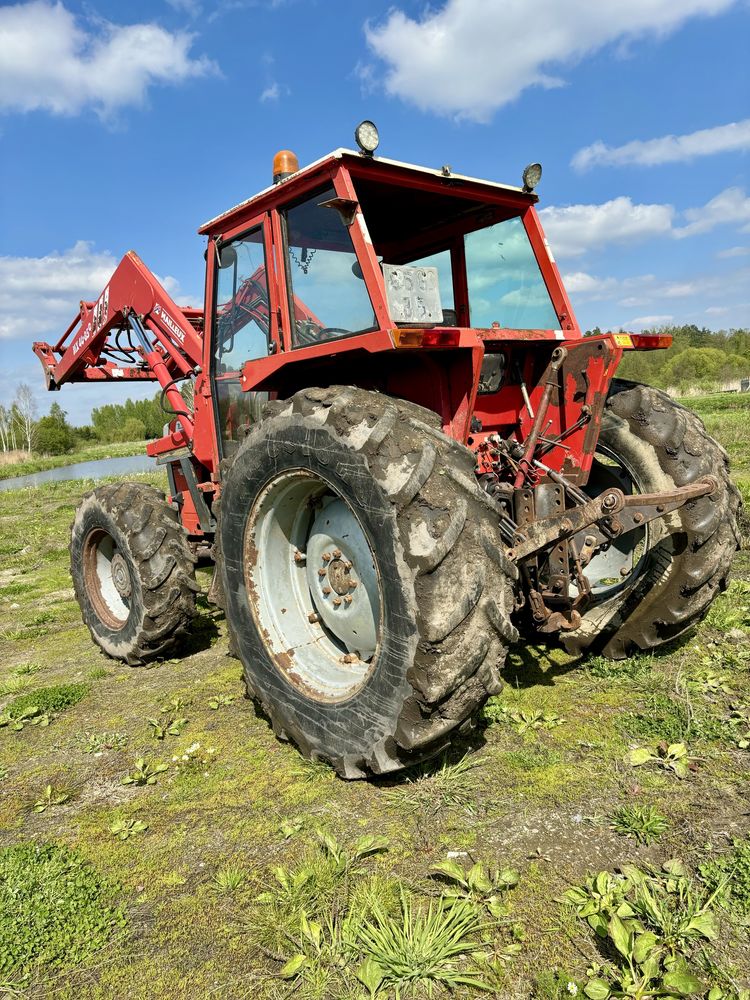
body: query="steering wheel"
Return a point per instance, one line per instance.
(310, 333)
(331, 331)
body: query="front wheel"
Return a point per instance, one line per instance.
(133, 571)
(365, 586)
(652, 584)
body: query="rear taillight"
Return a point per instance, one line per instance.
(426, 338)
(643, 341)
(651, 341)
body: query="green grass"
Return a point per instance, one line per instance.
(86, 453)
(48, 699)
(732, 869)
(210, 841)
(56, 911)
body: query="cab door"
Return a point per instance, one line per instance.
(243, 327)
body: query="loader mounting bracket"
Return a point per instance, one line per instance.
(611, 514)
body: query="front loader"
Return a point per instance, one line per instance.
(402, 455)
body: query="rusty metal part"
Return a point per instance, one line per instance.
(613, 508)
(338, 575)
(552, 382)
(560, 621)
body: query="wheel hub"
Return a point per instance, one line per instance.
(342, 578)
(121, 575)
(339, 576)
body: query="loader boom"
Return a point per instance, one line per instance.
(134, 331)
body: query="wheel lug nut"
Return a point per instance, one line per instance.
(313, 617)
(326, 556)
(337, 601)
(299, 557)
(348, 566)
(322, 572)
(348, 599)
(326, 591)
(353, 584)
(337, 553)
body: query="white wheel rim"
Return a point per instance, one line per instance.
(107, 579)
(313, 586)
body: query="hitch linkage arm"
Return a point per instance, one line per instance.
(618, 513)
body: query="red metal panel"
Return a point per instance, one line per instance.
(550, 273)
(368, 261)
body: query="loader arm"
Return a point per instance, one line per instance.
(133, 332)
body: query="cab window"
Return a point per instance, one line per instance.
(328, 296)
(241, 333)
(506, 287)
(241, 312)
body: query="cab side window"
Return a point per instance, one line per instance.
(242, 315)
(241, 333)
(328, 295)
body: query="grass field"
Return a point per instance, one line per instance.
(237, 869)
(89, 453)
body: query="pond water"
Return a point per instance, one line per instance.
(83, 470)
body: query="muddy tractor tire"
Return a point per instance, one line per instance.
(133, 572)
(678, 563)
(365, 587)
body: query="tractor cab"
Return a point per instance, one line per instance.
(354, 260)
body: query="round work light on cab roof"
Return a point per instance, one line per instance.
(285, 163)
(531, 176)
(367, 138)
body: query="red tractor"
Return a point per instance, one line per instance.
(402, 455)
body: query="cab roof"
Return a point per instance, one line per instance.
(357, 162)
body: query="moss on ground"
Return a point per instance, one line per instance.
(540, 800)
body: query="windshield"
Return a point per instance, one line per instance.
(506, 288)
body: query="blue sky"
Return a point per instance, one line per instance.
(127, 125)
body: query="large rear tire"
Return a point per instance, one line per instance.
(365, 587)
(133, 571)
(685, 558)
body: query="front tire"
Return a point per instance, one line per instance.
(687, 555)
(133, 572)
(342, 477)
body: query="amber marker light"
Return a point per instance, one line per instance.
(426, 338)
(285, 163)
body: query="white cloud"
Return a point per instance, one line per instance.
(39, 296)
(650, 321)
(730, 207)
(574, 229)
(51, 62)
(584, 285)
(471, 57)
(271, 93)
(733, 252)
(190, 7)
(645, 290)
(667, 148)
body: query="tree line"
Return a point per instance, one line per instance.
(21, 429)
(699, 359)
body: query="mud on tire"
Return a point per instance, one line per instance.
(689, 552)
(446, 587)
(133, 571)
